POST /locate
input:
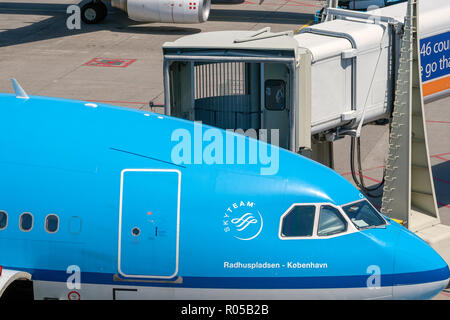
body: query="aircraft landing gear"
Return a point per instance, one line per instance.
(93, 12)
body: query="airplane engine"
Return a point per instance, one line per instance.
(169, 11)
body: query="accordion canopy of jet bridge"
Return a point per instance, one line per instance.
(322, 82)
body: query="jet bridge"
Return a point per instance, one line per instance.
(315, 84)
(314, 87)
(321, 85)
(236, 80)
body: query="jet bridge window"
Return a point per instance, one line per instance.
(298, 222)
(52, 223)
(3, 220)
(26, 221)
(275, 95)
(331, 222)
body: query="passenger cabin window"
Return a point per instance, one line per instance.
(330, 222)
(51, 223)
(299, 222)
(275, 95)
(3, 220)
(363, 215)
(26, 221)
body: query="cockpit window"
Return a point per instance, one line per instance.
(330, 222)
(363, 215)
(299, 222)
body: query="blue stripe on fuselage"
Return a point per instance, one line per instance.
(322, 282)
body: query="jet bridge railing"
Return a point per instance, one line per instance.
(221, 95)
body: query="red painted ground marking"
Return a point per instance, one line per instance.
(349, 172)
(443, 205)
(445, 294)
(107, 62)
(304, 4)
(364, 176)
(434, 121)
(375, 180)
(440, 158)
(440, 154)
(370, 178)
(441, 180)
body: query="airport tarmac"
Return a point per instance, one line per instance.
(48, 59)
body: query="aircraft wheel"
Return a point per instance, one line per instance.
(93, 12)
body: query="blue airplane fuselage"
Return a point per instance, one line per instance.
(132, 218)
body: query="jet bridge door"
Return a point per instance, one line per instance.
(149, 223)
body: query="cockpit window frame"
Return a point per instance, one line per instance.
(350, 226)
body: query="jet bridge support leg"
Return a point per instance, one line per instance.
(408, 193)
(333, 4)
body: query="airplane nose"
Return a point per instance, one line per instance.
(419, 271)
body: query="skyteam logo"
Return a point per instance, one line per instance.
(242, 220)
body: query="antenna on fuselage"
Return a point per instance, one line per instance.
(20, 93)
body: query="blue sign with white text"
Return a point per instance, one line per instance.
(435, 56)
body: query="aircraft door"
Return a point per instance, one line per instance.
(276, 101)
(149, 223)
